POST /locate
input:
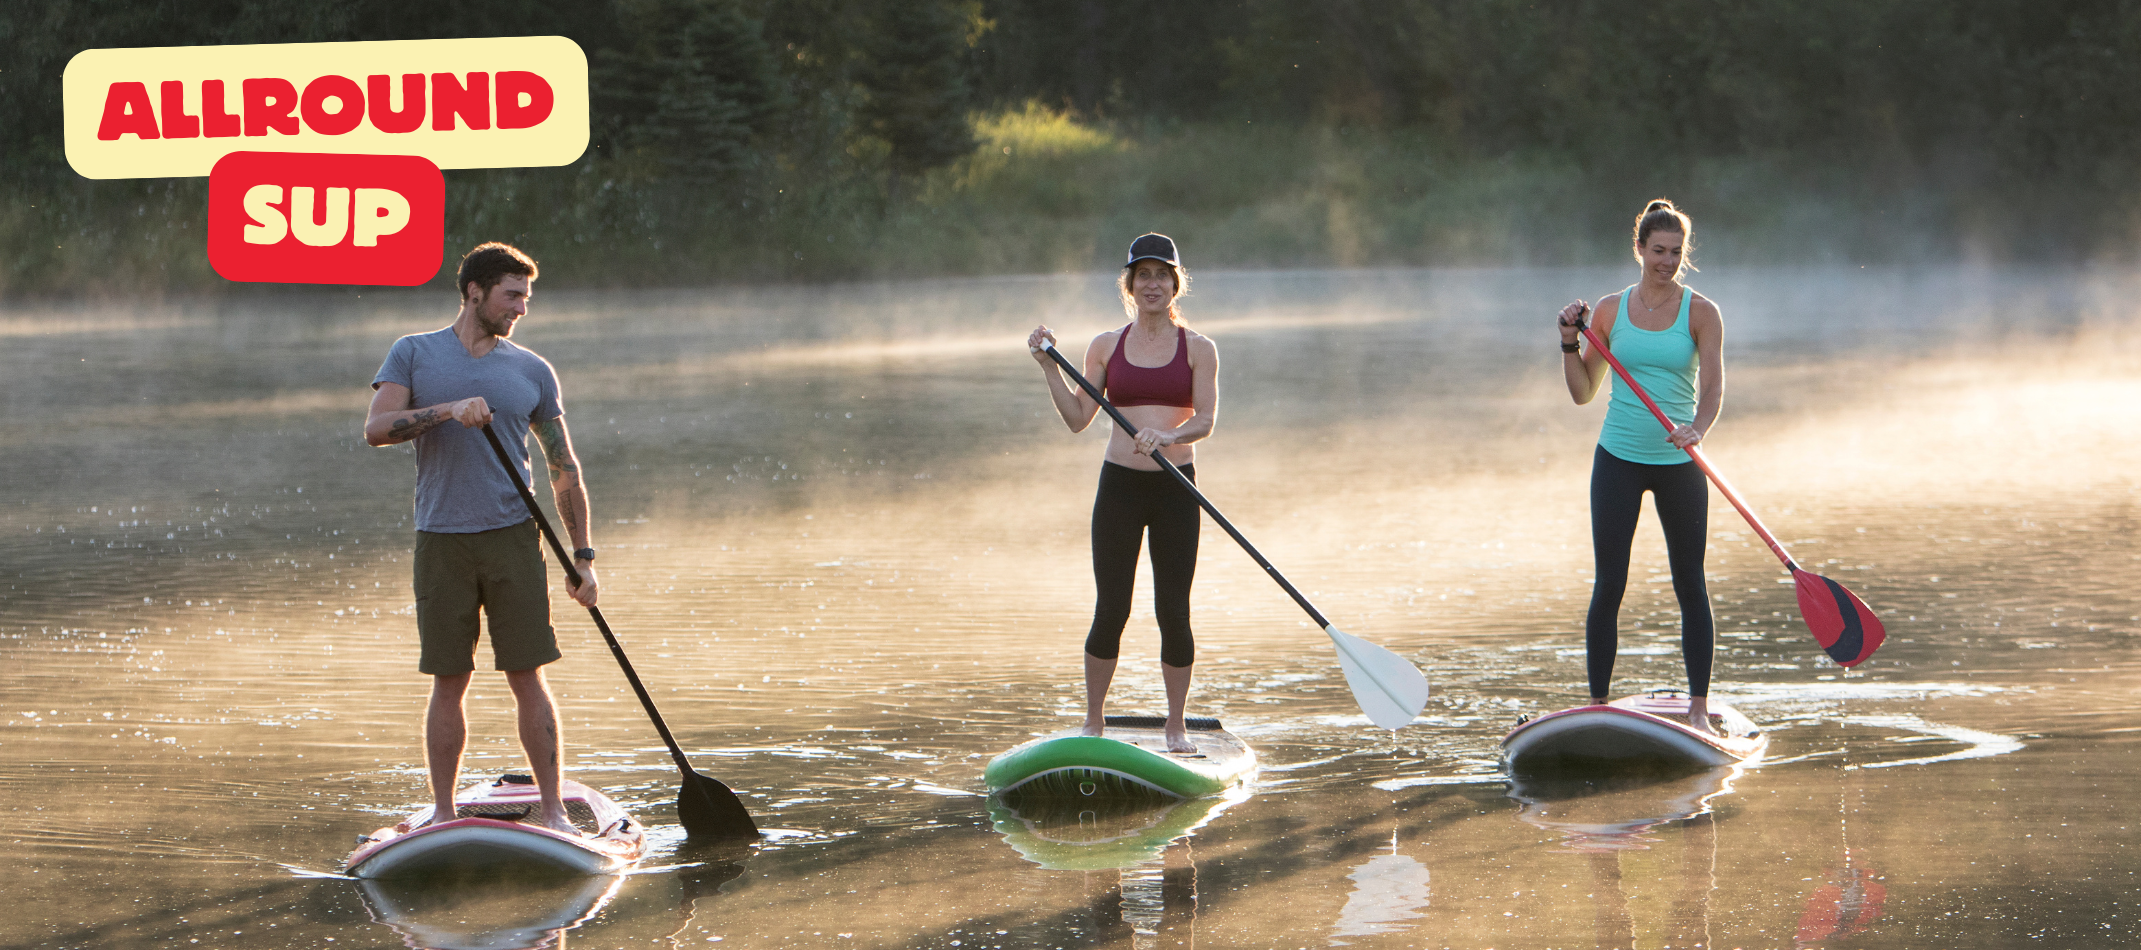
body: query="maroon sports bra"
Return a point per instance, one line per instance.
(1132, 385)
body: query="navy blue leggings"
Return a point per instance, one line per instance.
(1682, 500)
(1130, 504)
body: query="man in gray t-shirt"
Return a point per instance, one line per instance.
(476, 547)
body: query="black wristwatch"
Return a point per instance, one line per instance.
(584, 554)
(1571, 347)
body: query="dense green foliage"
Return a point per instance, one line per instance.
(776, 139)
(915, 87)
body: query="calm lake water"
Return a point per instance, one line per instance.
(844, 541)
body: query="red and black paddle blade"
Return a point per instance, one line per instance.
(708, 810)
(1844, 626)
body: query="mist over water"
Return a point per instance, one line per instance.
(844, 540)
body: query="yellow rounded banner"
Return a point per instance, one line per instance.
(173, 111)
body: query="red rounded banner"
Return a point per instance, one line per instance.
(319, 218)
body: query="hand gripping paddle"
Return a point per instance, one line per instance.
(1389, 689)
(705, 807)
(1844, 626)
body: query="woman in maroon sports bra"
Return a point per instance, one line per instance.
(1165, 379)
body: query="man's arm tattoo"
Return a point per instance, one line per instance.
(557, 453)
(409, 427)
(565, 486)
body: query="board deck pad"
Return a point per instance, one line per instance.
(1131, 761)
(580, 813)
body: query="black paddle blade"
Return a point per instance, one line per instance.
(1844, 626)
(708, 810)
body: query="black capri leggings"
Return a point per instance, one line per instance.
(1131, 502)
(1682, 500)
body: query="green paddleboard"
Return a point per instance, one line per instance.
(1131, 761)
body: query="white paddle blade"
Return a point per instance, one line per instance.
(1389, 689)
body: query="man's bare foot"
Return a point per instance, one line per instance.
(425, 820)
(556, 821)
(1094, 727)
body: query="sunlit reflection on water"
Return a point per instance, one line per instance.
(846, 548)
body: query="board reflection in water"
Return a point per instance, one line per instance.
(1610, 814)
(463, 912)
(1145, 841)
(1389, 891)
(1650, 886)
(1101, 833)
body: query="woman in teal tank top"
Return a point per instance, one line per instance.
(1671, 339)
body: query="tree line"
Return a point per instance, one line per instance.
(733, 116)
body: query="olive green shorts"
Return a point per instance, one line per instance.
(499, 572)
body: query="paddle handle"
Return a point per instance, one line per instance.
(1694, 451)
(535, 511)
(1191, 487)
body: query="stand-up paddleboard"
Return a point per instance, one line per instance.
(1131, 761)
(1647, 733)
(488, 830)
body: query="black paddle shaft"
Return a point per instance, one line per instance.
(692, 780)
(1191, 487)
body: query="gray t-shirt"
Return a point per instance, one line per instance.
(460, 487)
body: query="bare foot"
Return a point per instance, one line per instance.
(1094, 727)
(556, 821)
(1178, 741)
(426, 819)
(1699, 716)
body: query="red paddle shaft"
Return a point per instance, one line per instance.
(1693, 451)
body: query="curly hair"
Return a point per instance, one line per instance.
(489, 263)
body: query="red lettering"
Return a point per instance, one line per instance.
(126, 110)
(177, 124)
(514, 83)
(218, 123)
(314, 107)
(449, 98)
(270, 104)
(381, 90)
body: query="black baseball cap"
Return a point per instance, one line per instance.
(1154, 247)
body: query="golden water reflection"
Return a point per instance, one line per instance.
(847, 551)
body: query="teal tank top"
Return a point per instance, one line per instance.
(1663, 363)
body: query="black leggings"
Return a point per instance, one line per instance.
(1682, 499)
(1129, 502)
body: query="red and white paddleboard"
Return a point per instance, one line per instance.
(488, 830)
(1649, 732)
